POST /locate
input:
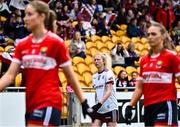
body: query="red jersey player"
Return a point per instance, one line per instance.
(158, 71)
(41, 54)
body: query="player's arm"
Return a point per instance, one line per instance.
(107, 94)
(9, 76)
(137, 93)
(72, 80)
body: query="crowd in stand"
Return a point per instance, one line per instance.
(77, 19)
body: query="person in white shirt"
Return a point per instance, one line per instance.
(106, 108)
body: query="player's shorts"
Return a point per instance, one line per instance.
(111, 116)
(163, 114)
(47, 116)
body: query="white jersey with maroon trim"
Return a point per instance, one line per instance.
(41, 62)
(158, 75)
(100, 80)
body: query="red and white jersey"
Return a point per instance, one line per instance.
(41, 62)
(158, 74)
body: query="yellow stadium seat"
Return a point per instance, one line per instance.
(82, 84)
(117, 69)
(64, 112)
(74, 23)
(178, 48)
(77, 60)
(120, 33)
(100, 45)
(144, 40)
(67, 43)
(8, 47)
(93, 68)
(1, 49)
(140, 47)
(87, 78)
(130, 69)
(110, 46)
(105, 50)
(146, 46)
(144, 52)
(115, 39)
(95, 38)
(113, 32)
(62, 77)
(125, 39)
(82, 67)
(123, 27)
(79, 77)
(9, 41)
(135, 39)
(89, 60)
(90, 45)
(18, 80)
(93, 51)
(3, 19)
(106, 38)
(138, 70)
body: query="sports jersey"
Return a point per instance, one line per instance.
(158, 75)
(41, 62)
(100, 80)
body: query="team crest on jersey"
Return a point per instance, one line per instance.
(159, 64)
(43, 50)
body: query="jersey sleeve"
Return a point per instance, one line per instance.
(63, 57)
(110, 78)
(17, 55)
(176, 65)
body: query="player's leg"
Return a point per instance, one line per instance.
(111, 118)
(167, 115)
(43, 117)
(96, 123)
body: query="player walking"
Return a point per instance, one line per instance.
(158, 71)
(105, 110)
(41, 54)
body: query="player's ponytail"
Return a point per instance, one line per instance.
(50, 21)
(43, 8)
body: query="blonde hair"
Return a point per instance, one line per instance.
(106, 58)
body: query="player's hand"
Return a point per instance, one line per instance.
(86, 110)
(96, 107)
(128, 114)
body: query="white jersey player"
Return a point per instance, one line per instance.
(105, 109)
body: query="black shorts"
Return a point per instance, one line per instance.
(47, 116)
(163, 113)
(111, 116)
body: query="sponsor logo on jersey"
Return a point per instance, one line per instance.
(159, 64)
(43, 50)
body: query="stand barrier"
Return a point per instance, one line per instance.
(12, 108)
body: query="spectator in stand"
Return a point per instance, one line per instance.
(77, 46)
(74, 11)
(107, 4)
(165, 16)
(132, 30)
(132, 55)
(176, 34)
(130, 15)
(121, 18)
(132, 82)
(79, 27)
(118, 54)
(58, 9)
(100, 25)
(122, 79)
(2, 37)
(131, 50)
